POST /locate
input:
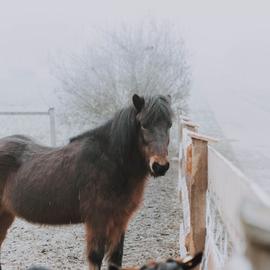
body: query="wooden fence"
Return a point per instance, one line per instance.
(213, 192)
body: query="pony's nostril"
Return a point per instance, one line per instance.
(160, 169)
(167, 166)
(156, 167)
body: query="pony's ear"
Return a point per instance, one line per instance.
(138, 102)
(169, 98)
(190, 263)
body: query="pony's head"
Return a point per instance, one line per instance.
(154, 118)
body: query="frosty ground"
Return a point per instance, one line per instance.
(152, 234)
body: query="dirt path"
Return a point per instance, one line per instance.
(153, 233)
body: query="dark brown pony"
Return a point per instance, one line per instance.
(97, 179)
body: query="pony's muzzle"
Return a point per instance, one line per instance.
(160, 170)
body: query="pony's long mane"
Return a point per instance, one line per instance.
(122, 129)
(123, 133)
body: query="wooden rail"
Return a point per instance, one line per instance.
(234, 188)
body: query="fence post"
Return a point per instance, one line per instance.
(52, 126)
(256, 221)
(197, 182)
(190, 126)
(197, 186)
(184, 125)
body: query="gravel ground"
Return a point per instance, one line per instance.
(153, 233)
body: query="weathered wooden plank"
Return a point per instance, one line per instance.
(202, 137)
(197, 188)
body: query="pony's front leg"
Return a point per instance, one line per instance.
(95, 249)
(116, 256)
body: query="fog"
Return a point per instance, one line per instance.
(228, 44)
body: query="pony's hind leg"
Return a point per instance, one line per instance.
(6, 220)
(115, 258)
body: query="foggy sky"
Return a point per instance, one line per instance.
(228, 43)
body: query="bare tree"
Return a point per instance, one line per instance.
(146, 59)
